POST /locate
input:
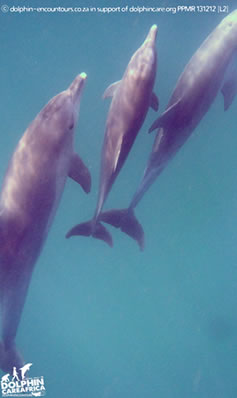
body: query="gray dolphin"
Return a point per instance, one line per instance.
(132, 97)
(31, 192)
(209, 70)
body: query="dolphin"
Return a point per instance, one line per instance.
(32, 188)
(210, 70)
(131, 98)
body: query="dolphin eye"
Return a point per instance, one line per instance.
(71, 126)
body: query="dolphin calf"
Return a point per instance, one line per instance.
(132, 97)
(31, 192)
(209, 70)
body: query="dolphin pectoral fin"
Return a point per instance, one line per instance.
(80, 173)
(229, 91)
(110, 90)
(9, 358)
(89, 228)
(229, 86)
(125, 220)
(154, 102)
(166, 117)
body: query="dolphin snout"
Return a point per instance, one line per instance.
(151, 37)
(77, 86)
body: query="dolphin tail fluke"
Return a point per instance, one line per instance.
(90, 228)
(125, 219)
(9, 358)
(102, 234)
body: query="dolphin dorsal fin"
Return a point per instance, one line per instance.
(80, 173)
(110, 90)
(154, 104)
(166, 117)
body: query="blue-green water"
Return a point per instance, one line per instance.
(118, 323)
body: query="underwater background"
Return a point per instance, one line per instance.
(120, 323)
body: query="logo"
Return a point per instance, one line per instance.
(20, 385)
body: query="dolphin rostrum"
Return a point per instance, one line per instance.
(31, 192)
(132, 97)
(209, 70)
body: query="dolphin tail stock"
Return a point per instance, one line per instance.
(10, 357)
(125, 220)
(91, 228)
